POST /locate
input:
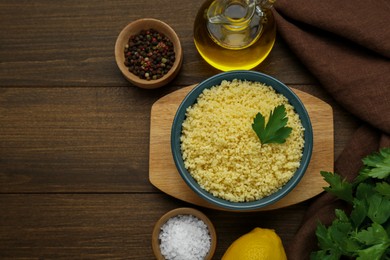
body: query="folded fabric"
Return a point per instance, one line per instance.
(346, 46)
(362, 22)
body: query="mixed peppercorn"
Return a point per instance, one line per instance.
(149, 54)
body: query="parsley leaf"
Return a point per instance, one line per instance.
(383, 188)
(359, 212)
(338, 187)
(378, 209)
(373, 235)
(377, 240)
(373, 253)
(275, 131)
(334, 240)
(323, 237)
(378, 164)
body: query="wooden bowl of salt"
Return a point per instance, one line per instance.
(182, 231)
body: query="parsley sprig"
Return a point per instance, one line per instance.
(365, 233)
(275, 131)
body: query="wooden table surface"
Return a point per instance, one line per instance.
(74, 134)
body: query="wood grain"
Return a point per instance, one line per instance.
(115, 226)
(72, 43)
(164, 175)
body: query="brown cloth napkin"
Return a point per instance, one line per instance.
(346, 46)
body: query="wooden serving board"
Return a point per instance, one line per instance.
(164, 175)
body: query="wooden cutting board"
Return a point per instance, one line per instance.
(164, 175)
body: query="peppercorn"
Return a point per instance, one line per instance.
(149, 54)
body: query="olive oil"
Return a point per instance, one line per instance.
(227, 59)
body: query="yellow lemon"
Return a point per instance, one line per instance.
(259, 244)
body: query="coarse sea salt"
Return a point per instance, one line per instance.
(184, 237)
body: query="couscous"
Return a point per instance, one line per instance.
(222, 152)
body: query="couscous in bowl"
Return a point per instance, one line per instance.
(217, 153)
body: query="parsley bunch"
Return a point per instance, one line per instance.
(365, 233)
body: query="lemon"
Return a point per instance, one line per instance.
(259, 244)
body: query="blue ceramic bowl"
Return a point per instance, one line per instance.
(250, 76)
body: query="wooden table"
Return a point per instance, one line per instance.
(74, 134)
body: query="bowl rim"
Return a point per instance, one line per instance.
(279, 87)
(177, 48)
(183, 211)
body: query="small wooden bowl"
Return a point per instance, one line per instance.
(177, 212)
(135, 28)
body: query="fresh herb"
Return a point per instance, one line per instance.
(365, 233)
(275, 131)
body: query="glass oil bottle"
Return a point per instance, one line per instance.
(234, 34)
